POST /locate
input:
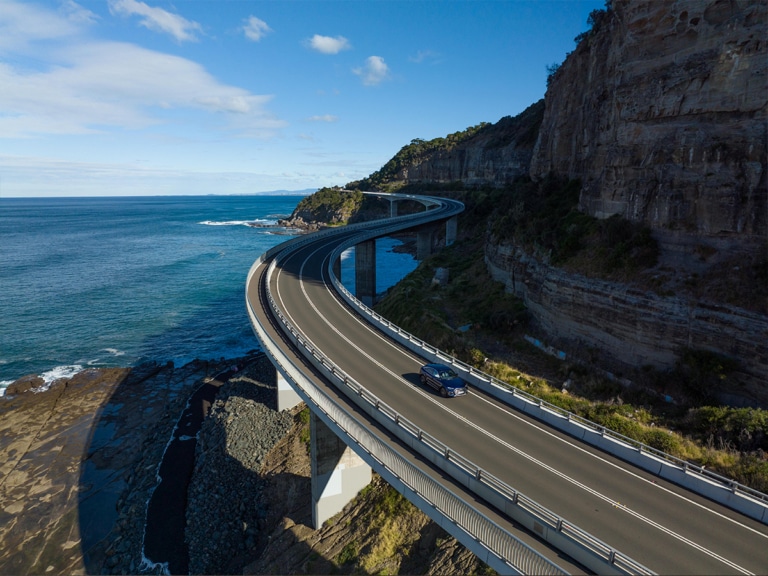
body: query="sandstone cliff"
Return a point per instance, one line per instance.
(661, 112)
(485, 155)
(619, 327)
(496, 156)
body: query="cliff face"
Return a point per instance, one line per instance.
(496, 155)
(661, 112)
(627, 327)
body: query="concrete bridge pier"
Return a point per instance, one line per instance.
(365, 272)
(425, 237)
(338, 474)
(392, 208)
(287, 397)
(451, 229)
(423, 243)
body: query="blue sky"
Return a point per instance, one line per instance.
(132, 97)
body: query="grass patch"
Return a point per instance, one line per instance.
(348, 554)
(388, 543)
(305, 435)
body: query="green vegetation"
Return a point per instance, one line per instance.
(521, 130)
(391, 531)
(701, 373)
(731, 441)
(473, 318)
(419, 304)
(545, 219)
(595, 20)
(331, 199)
(742, 429)
(412, 154)
(551, 71)
(386, 512)
(333, 206)
(304, 435)
(348, 554)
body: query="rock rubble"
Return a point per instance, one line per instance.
(227, 502)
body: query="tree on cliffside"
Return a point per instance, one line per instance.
(329, 206)
(595, 20)
(413, 154)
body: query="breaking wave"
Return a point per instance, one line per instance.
(253, 223)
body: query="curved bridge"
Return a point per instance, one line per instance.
(499, 470)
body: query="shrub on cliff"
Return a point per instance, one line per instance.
(329, 205)
(544, 218)
(595, 21)
(743, 429)
(413, 154)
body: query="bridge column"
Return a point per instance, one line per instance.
(451, 228)
(423, 243)
(365, 272)
(287, 397)
(338, 474)
(392, 208)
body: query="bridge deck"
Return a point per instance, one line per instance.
(660, 525)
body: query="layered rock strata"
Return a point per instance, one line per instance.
(496, 156)
(661, 112)
(629, 327)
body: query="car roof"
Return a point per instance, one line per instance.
(438, 366)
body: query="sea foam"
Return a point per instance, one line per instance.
(255, 223)
(49, 377)
(57, 373)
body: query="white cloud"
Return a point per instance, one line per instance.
(157, 19)
(81, 86)
(23, 23)
(324, 118)
(425, 56)
(76, 13)
(374, 71)
(329, 45)
(255, 29)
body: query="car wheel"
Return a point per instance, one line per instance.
(423, 379)
(443, 392)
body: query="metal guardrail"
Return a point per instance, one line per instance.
(601, 550)
(746, 499)
(503, 545)
(727, 483)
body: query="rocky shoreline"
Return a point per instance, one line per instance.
(82, 460)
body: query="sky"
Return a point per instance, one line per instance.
(156, 97)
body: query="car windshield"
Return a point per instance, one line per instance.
(447, 374)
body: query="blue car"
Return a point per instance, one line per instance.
(443, 379)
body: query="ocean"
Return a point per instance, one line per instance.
(116, 281)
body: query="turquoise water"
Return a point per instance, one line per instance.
(116, 281)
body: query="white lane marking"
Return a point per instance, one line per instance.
(507, 445)
(511, 412)
(620, 468)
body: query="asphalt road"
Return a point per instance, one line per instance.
(660, 525)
